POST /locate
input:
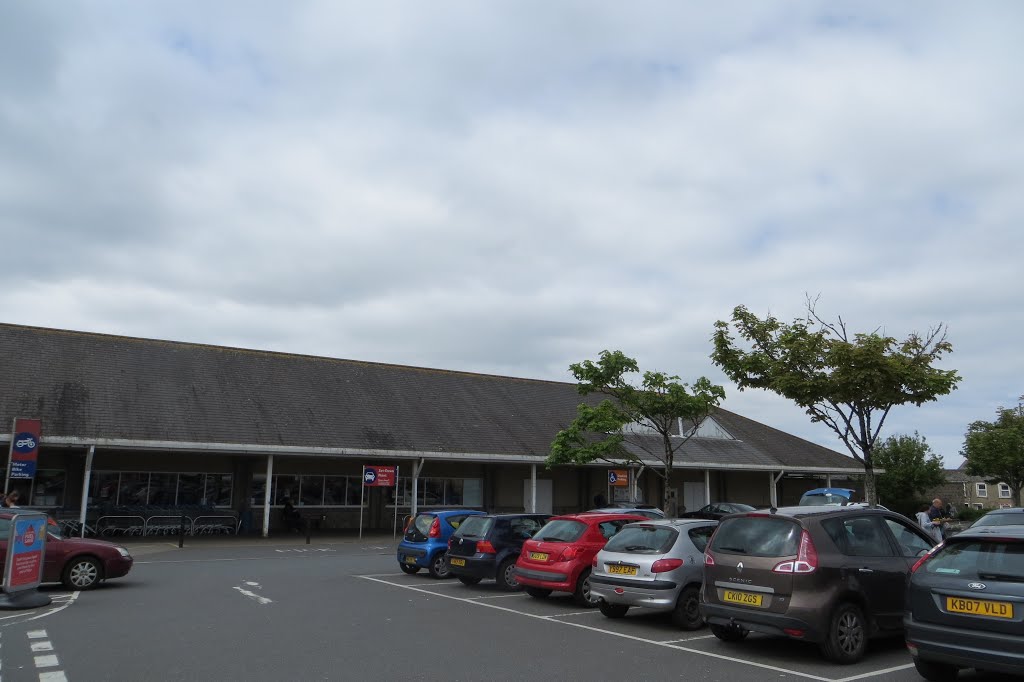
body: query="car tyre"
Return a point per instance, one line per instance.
(538, 592)
(847, 636)
(686, 614)
(935, 672)
(582, 595)
(82, 573)
(439, 567)
(727, 633)
(409, 568)
(506, 577)
(613, 610)
(467, 579)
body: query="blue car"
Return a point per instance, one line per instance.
(828, 496)
(426, 541)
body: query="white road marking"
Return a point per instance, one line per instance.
(37, 634)
(69, 602)
(763, 666)
(45, 645)
(573, 613)
(876, 673)
(252, 595)
(46, 661)
(252, 584)
(496, 596)
(55, 676)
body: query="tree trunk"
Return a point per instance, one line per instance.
(870, 496)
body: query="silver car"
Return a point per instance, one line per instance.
(654, 565)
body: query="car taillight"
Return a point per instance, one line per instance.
(435, 528)
(570, 553)
(920, 562)
(806, 558)
(709, 559)
(450, 542)
(593, 564)
(665, 565)
(485, 547)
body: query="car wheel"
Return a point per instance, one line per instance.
(538, 592)
(467, 579)
(727, 633)
(83, 573)
(686, 614)
(847, 636)
(438, 567)
(409, 568)
(935, 672)
(583, 596)
(613, 610)
(506, 577)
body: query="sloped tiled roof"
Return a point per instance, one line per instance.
(88, 386)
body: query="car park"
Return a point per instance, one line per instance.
(834, 576)
(486, 547)
(965, 604)
(78, 563)
(654, 565)
(426, 540)
(1007, 516)
(716, 510)
(645, 511)
(559, 556)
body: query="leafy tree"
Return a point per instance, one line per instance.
(910, 467)
(847, 382)
(996, 449)
(655, 418)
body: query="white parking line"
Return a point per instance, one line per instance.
(876, 673)
(496, 596)
(687, 639)
(591, 612)
(763, 666)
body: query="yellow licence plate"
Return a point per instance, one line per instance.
(745, 598)
(622, 570)
(457, 562)
(410, 559)
(538, 556)
(979, 607)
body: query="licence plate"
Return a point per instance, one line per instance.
(745, 598)
(622, 570)
(979, 607)
(538, 556)
(457, 562)
(409, 559)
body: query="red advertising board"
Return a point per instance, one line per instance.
(24, 448)
(26, 544)
(383, 476)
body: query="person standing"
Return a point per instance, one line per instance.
(937, 517)
(926, 524)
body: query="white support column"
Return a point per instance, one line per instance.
(773, 494)
(533, 489)
(266, 496)
(85, 487)
(707, 486)
(417, 469)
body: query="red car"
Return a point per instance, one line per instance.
(559, 556)
(79, 563)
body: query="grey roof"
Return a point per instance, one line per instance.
(89, 387)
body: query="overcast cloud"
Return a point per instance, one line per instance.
(509, 187)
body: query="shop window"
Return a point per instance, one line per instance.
(134, 489)
(218, 490)
(258, 490)
(190, 489)
(312, 490)
(48, 488)
(286, 486)
(441, 492)
(162, 490)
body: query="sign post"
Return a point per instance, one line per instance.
(21, 459)
(23, 570)
(378, 477)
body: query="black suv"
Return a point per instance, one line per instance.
(965, 604)
(835, 576)
(487, 547)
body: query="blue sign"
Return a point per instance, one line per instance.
(24, 443)
(612, 477)
(369, 476)
(23, 468)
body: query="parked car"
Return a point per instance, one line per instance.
(486, 547)
(1007, 516)
(78, 563)
(835, 576)
(646, 511)
(559, 556)
(965, 604)
(828, 496)
(655, 565)
(716, 510)
(426, 540)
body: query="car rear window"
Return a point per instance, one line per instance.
(561, 530)
(1005, 519)
(643, 540)
(757, 536)
(982, 559)
(423, 522)
(475, 527)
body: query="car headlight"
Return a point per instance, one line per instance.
(124, 552)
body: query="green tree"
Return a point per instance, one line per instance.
(847, 382)
(911, 468)
(996, 449)
(654, 418)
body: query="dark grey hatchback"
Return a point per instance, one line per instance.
(965, 604)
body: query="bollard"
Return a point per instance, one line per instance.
(308, 526)
(181, 533)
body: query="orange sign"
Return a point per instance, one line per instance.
(618, 478)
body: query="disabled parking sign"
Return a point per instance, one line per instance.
(618, 477)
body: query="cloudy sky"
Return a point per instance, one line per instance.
(509, 187)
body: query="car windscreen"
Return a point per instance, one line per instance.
(757, 536)
(643, 540)
(561, 530)
(988, 559)
(475, 527)
(1004, 519)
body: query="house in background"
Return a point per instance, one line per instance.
(963, 491)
